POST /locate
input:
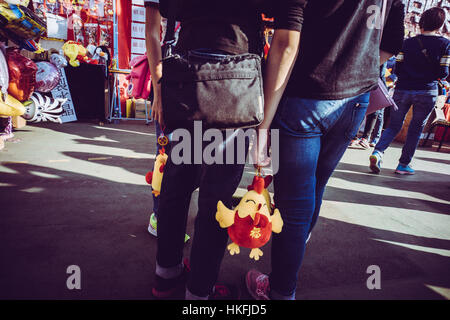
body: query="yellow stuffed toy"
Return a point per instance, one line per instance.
(155, 177)
(75, 52)
(251, 224)
(10, 106)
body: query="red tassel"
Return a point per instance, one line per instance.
(148, 177)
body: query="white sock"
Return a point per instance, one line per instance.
(169, 273)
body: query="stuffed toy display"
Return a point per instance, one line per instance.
(251, 224)
(75, 52)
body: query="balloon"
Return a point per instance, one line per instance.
(58, 60)
(47, 77)
(22, 74)
(4, 74)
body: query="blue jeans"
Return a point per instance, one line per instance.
(423, 102)
(314, 135)
(374, 126)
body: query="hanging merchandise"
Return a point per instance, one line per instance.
(43, 108)
(47, 76)
(105, 31)
(251, 224)
(78, 29)
(140, 80)
(19, 24)
(91, 34)
(22, 74)
(56, 26)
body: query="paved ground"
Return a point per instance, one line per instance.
(74, 194)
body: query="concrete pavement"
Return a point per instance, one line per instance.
(75, 194)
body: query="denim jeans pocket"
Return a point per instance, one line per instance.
(301, 116)
(358, 111)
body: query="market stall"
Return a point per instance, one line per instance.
(66, 53)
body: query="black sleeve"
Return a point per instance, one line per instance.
(394, 29)
(151, 3)
(288, 14)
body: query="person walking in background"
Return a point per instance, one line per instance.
(374, 121)
(424, 60)
(326, 98)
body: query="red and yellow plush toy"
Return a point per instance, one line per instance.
(155, 177)
(251, 224)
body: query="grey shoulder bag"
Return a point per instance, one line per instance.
(222, 91)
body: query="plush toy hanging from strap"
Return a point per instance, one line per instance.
(251, 224)
(155, 177)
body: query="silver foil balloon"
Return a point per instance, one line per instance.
(4, 74)
(47, 77)
(58, 60)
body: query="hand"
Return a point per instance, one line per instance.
(260, 148)
(157, 112)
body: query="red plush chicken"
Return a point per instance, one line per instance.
(251, 224)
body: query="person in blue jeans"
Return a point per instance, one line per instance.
(424, 60)
(317, 102)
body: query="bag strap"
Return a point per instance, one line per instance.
(169, 38)
(383, 18)
(425, 53)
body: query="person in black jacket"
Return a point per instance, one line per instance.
(423, 61)
(317, 101)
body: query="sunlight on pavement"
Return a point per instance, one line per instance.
(123, 130)
(407, 221)
(45, 175)
(445, 292)
(442, 252)
(377, 190)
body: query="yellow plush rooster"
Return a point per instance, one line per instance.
(251, 224)
(155, 177)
